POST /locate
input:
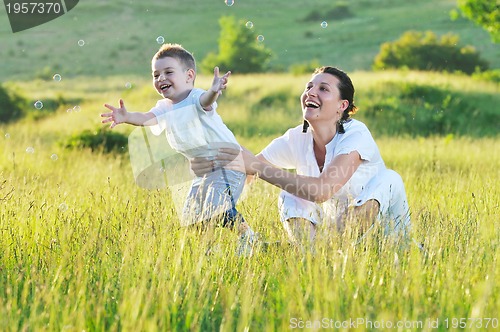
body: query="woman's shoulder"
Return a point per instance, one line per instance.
(292, 137)
(296, 130)
(353, 126)
(296, 133)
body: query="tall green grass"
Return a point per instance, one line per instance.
(83, 248)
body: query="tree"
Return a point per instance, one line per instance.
(486, 13)
(239, 50)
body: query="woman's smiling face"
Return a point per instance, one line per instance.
(321, 99)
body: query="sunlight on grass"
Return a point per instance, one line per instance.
(83, 248)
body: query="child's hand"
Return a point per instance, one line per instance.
(117, 115)
(219, 83)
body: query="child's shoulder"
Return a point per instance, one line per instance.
(193, 96)
(196, 92)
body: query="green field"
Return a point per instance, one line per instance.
(83, 248)
(120, 36)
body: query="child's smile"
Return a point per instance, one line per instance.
(165, 87)
(171, 80)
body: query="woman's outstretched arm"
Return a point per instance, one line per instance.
(317, 189)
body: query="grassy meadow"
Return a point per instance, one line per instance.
(83, 248)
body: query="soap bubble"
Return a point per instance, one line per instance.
(30, 150)
(57, 78)
(160, 40)
(7, 136)
(324, 24)
(81, 42)
(128, 85)
(260, 38)
(249, 25)
(38, 105)
(54, 157)
(76, 108)
(63, 207)
(229, 2)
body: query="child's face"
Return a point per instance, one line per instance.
(171, 80)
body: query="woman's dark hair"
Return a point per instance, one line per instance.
(346, 89)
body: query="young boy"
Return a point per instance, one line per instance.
(193, 128)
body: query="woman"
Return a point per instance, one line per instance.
(340, 175)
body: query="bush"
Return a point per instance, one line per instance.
(397, 108)
(338, 12)
(304, 68)
(98, 140)
(50, 106)
(275, 101)
(488, 75)
(11, 105)
(239, 50)
(46, 73)
(423, 51)
(14, 106)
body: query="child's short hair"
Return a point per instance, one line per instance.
(178, 52)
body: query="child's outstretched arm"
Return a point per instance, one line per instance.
(120, 115)
(218, 84)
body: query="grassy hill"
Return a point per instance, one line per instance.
(120, 36)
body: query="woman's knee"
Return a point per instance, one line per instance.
(300, 229)
(362, 217)
(369, 210)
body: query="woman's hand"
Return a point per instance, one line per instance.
(201, 166)
(253, 164)
(226, 158)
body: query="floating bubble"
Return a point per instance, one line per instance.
(30, 150)
(128, 85)
(63, 207)
(229, 2)
(160, 40)
(57, 78)
(260, 38)
(38, 105)
(69, 110)
(76, 108)
(249, 24)
(81, 42)
(324, 24)
(7, 136)
(54, 157)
